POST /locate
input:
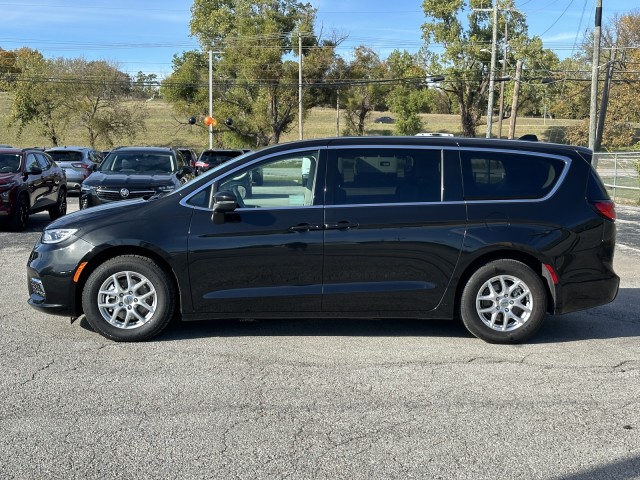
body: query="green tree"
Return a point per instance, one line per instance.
(465, 58)
(368, 89)
(407, 100)
(144, 86)
(101, 103)
(255, 81)
(41, 95)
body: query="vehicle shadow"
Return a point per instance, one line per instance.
(618, 319)
(328, 327)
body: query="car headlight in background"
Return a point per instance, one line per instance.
(87, 188)
(165, 189)
(6, 188)
(57, 235)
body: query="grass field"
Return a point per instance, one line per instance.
(164, 128)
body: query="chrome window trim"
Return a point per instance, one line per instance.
(184, 201)
(566, 160)
(559, 182)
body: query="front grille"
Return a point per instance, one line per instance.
(111, 194)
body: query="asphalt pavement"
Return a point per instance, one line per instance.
(312, 399)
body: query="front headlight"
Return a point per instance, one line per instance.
(6, 188)
(165, 189)
(57, 235)
(86, 188)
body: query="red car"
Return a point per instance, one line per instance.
(30, 182)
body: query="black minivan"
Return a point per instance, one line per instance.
(498, 233)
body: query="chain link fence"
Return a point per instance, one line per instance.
(619, 172)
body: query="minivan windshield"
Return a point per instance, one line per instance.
(140, 163)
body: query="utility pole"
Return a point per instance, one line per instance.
(604, 101)
(337, 112)
(492, 70)
(504, 70)
(211, 98)
(597, 33)
(514, 107)
(300, 85)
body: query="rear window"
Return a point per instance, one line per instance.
(508, 176)
(66, 156)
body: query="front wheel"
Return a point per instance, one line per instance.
(20, 215)
(129, 298)
(504, 301)
(60, 207)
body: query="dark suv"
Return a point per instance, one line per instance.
(134, 172)
(499, 233)
(30, 182)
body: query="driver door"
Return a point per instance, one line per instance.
(267, 255)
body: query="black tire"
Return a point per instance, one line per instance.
(504, 301)
(129, 315)
(60, 207)
(20, 214)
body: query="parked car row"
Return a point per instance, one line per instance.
(36, 179)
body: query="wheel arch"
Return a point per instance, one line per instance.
(118, 251)
(535, 264)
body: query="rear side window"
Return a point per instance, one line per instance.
(508, 175)
(383, 176)
(595, 188)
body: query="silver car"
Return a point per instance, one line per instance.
(77, 163)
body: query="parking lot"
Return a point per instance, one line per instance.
(306, 399)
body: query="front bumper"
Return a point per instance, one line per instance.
(50, 272)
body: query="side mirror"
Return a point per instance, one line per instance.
(223, 202)
(34, 171)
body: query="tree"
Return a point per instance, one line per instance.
(407, 100)
(144, 86)
(41, 94)
(255, 83)
(368, 90)
(465, 59)
(619, 96)
(101, 103)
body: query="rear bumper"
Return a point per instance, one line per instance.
(583, 295)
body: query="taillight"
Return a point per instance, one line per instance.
(79, 165)
(606, 208)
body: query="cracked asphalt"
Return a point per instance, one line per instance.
(311, 399)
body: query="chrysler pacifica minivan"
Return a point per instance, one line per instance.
(497, 233)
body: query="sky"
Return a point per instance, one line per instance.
(143, 35)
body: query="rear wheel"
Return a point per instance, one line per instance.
(504, 301)
(129, 298)
(20, 214)
(60, 207)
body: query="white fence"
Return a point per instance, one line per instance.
(619, 171)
